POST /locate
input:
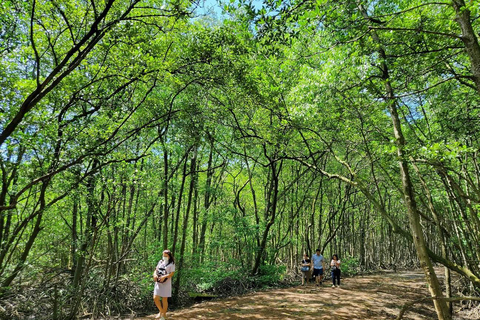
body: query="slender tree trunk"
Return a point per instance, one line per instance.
(5, 216)
(407, 188)
(270, 211)
(181, 259)
(312, 218)
(195, 215)
(28, 246)
(254, 195)
(441, 235)
(179, 206)
(73, 248)
(413, 215)
(206, 202)
(87, 242)
(165, 197)
(469, 38)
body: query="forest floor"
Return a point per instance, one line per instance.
(379, 296)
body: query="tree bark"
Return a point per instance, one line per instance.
(181, 259)
(469, 38)
(179, 206)
(165, 197)
(407, 187)
(441, 234)
(206, 202)
(270, 211)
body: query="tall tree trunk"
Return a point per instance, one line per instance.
(270, 211)
(469, 38)
(407, 187)
(33, 235)
(74, 240)
(87, 242)
(5, 216)
(413, 215)
(206, 202)
(179, 206)
(165, 197)
(181, 259)
(195, 216)
(441, 234)
(311, 227)
(254, 195)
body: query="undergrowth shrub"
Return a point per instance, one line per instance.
(132, 292)
(269, 275)
(230, 278)
(350, 266)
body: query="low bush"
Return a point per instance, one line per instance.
(350, 266)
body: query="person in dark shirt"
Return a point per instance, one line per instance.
(306, 267)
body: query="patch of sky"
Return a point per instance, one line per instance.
(413, 106)
(209, 8)
(411, 109)
(216, 8)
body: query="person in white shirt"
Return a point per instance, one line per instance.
(335, 267)
(163, 283)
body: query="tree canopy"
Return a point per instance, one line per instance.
(239, 142)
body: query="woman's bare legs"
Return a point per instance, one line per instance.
(162, 305)
(165, 306)
(156, 299)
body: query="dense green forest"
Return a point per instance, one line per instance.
(238, 138)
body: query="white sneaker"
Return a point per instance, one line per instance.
(158, 316)
(162, 318)
(333, 286)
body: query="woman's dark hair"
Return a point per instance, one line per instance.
(170, 257)
(335, 255)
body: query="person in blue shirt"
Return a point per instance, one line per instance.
(318, 264)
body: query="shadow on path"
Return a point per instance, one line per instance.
(364, 297)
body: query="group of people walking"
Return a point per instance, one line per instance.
(318, 264)
(163, 273)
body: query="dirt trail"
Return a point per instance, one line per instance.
(364, 297)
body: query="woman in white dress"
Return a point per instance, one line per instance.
(163, 283)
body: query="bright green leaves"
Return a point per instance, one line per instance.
(445, 152)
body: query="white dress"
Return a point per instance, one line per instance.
(164, 289)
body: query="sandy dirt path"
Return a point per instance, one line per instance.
(363, 297)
